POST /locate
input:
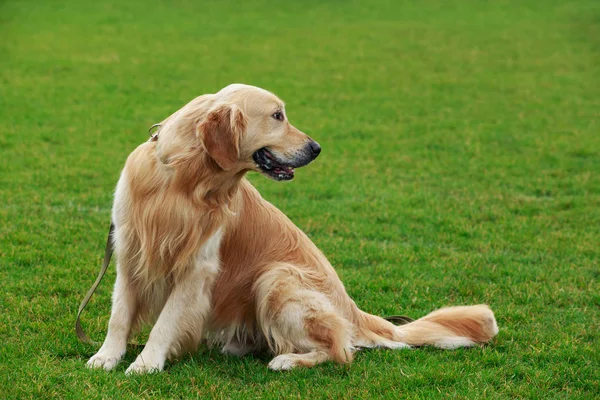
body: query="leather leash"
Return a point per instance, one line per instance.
(107, 256)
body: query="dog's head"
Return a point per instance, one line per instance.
(246, 128)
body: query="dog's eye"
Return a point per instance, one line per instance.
(278, 116)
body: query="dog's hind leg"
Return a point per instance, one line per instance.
(300, 323)
(123, 313)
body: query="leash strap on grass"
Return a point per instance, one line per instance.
(107, 255)
(399, 319)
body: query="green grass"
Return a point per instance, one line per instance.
(460, 164)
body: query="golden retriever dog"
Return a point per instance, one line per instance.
(200, 254)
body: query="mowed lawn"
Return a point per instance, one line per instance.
(460, 165)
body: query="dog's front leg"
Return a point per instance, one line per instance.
(181, 320)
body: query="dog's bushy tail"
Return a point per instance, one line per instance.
(446, 328)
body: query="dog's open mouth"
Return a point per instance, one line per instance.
(271, 166)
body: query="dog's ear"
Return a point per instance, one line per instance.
(220, 133)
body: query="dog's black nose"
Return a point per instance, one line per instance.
(315, 148)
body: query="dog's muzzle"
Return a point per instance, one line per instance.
(281, 168)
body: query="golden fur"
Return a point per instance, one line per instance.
(188, 225)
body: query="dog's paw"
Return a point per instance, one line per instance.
(283, 362)
(397, 345)
(452, 343)
(141, 366)
(104, 360)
